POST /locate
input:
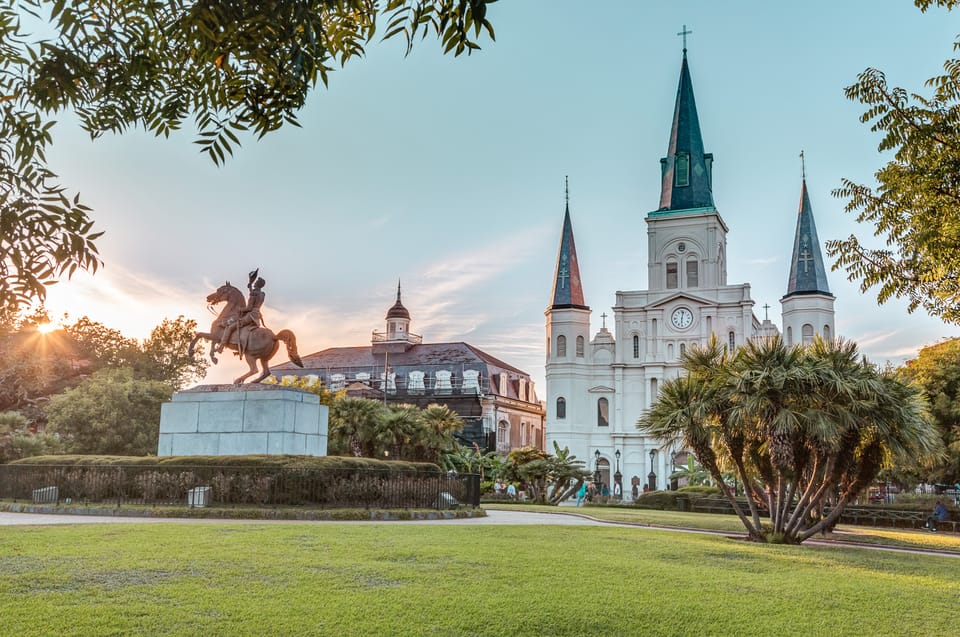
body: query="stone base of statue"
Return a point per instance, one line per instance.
(232, 420)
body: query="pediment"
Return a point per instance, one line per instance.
(600, 389)
(680, 295)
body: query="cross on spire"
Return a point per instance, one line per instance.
(604, 317)
(805, 258)
(566, 189)
(803, 166)
(766, 313)
(685, 33)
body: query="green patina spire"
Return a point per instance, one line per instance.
(687, 179)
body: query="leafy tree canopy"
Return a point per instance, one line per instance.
(231, 68)
(915, 206)
(110, 413)
(936, 370)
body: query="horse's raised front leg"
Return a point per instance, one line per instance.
(193, 344)
(252, 362)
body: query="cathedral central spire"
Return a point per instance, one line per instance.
(567, 290)
(686, 170)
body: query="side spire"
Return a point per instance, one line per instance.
(687, 169)
(807, 272)
(567, 289)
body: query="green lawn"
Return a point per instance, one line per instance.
(719, 522)
(338, 579)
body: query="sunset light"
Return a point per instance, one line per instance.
(46, 328)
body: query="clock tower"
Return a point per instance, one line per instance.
(593, 402)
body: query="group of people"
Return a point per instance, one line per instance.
(509, 489)
(588, 490)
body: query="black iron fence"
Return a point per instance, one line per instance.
(257, 486)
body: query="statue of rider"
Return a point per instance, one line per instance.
(250, 315)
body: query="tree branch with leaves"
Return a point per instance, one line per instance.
(229, 68)
(915, 206)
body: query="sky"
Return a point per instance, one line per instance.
(448, 174)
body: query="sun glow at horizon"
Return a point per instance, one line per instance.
(46, 328)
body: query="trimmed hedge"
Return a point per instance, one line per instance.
(241, 480)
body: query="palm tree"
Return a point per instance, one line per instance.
(353, 422)
(693, 473)
(440, 424)
(564, 468)
(394, 433)
(798, 425)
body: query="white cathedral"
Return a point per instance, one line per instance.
(598, 388)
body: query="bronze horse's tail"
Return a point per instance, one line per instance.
(291, 342)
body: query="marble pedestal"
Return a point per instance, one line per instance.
(230, 420)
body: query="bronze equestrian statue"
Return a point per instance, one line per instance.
(239, 327)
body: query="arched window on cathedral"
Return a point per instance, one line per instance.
(789, 336)
(826, 332)
(636, 346)
(561, 346)
(561, 408)
(603, 413)
(693, 273)
(672, 276)
(579, 347)
(732, 340)
(669, 351)
(807, 333)
(683, 350)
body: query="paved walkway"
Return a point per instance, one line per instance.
(493, 517)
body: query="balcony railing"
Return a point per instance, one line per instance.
(384, 337)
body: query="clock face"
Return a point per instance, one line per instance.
(681, 318)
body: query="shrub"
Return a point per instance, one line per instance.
(662, 500)
(699, 490)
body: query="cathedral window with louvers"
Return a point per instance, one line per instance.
(682, 172)
(672, 275)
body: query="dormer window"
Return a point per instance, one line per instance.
(681, 172)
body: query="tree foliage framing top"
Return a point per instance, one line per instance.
(915, 207)
(233, 67)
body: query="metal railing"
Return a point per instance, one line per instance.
(245, 486)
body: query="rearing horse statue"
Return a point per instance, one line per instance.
(253, 342)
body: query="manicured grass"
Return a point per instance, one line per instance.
(720, 522)
(421, 579)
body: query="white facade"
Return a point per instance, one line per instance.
(598, 388)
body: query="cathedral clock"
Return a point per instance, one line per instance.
(681, 318)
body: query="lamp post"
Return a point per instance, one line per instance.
(617, 477)
(596, 469)
(673, 470)
(652, 477)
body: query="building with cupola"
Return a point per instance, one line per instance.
(497, 401)
(599, 385)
